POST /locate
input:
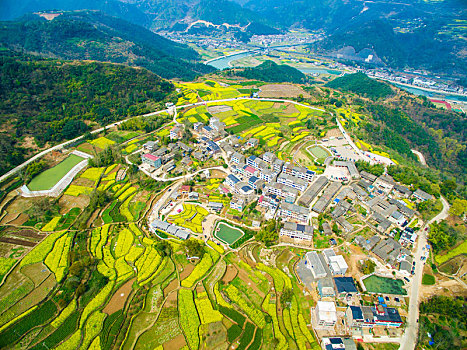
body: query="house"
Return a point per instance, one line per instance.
(237, 203)
(173, 147)
(368, 177)
(337, 264)
(269, 157)
(169, 166)
(208, 131)
(197, 126)
(151, 160)
(294, 212)
(422, 195)
(350, 166)
(184, 189)
(292, 181)
(252, 142)
(345, 285)
(165, 227)
(402, 191)
(326, 288)
(314, 263)
(269, 201)
(297, 231)
(150, 146)
(277, 165)
(336, 343)
(327, 229)
(322, 203)
(161, 151)
(381, 206)
(216, 206)
(193, 196)
(231, 180)
(176, 132)
(385, 183)
(312, 192)
(267, 175)
(216, 124)
(185, 148)
(298, 171)
(199, 156)
(347, 226)
(383, 224)
(256, 183)
(237, 158)
(408, 237)
(326, 313)
(212, 147)
(288, 193)
(397, 218)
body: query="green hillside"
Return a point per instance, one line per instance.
(92, 35)
(49, 100)
(271, 72)
(360, 84)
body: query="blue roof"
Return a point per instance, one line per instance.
(336, 341)
(357, 313)
(253, 179)
(345, 285)
(252, 157)
(233, 178)
(246, 188)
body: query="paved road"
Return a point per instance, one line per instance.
(409, 339)
(60, 146)
(420, 156)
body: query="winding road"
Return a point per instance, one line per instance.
(409, 339)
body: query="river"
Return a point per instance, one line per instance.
(224, 63)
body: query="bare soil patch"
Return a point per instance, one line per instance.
(17, 241)
(67, 202)
(9, 217)
(171, 299)
(219, 109)
(333, 133)
(230, 274)
(20, 205)
(218, 174)
(290, 109)
(36, 272)
(186, 271)
(28, 234)
(176, 343)
(282, 90)
(20, 220)
(117, 302)
(170, 287)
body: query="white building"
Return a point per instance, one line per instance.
(297, 231)
(326, 313)
(338, 265)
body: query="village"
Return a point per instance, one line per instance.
(316, 211)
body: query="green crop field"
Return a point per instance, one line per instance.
(47, 179)
(227, 234)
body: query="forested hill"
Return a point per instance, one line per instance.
(271, 72)
(92, 35)
(362, 85)
(50, 101)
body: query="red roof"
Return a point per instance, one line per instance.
(250, 169)
(185, 188)
(151, 157)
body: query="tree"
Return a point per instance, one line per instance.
(286, 297)
(459, 207)
(163, 248)
(194, 247)
(269, 233)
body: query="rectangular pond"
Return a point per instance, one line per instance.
(384, 285)
(227, 233)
